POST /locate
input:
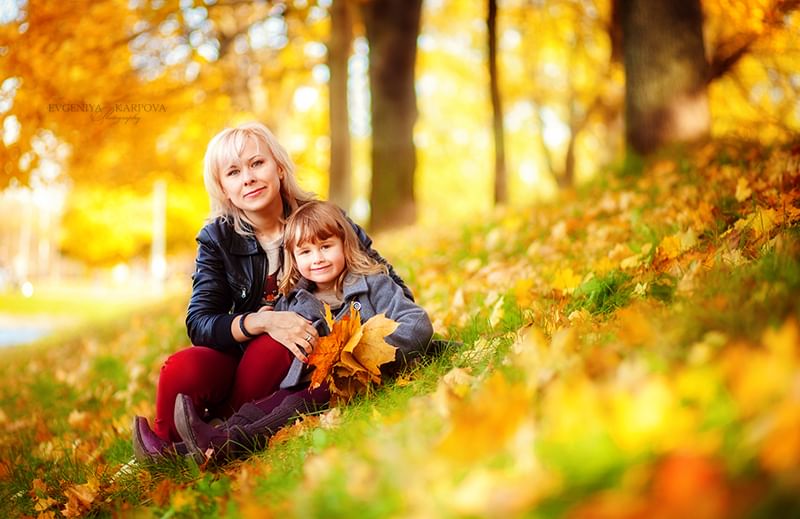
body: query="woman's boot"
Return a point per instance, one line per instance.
(247, 430)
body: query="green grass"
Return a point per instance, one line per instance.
(602, 295)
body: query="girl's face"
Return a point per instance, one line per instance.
(252, 183)
(321, 262)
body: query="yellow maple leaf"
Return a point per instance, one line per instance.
(372, 351)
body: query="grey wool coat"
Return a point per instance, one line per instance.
(372, 295)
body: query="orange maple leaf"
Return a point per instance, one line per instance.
(328, 351)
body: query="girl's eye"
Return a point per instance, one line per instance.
(301, 252)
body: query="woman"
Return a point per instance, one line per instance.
(242, 348)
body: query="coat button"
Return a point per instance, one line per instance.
(357, 305)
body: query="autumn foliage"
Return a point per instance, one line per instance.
(349, 358)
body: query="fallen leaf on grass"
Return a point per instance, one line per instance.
(295, 430)
(331, 418)
(80, 499)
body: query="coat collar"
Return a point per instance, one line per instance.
(354, 284)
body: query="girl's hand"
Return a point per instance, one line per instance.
(290, 329)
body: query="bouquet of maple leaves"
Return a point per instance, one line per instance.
(350, 356)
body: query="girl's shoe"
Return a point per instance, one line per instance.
(247, 430)
(148, 447)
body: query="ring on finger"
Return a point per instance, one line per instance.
(308, 337)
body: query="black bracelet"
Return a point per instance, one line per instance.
(244, 330)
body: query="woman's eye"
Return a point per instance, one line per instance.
(257, 163)
(232, 172)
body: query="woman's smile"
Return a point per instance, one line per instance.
(254, 192)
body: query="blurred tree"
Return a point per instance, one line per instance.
(392, 27)
(573, 88)
(668, 74)
(500, 182)
(339, 47)
(666, 98)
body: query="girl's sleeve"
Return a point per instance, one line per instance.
(208, 320)
(414, 330)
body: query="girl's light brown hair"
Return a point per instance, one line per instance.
(314, 222)
(224, 149)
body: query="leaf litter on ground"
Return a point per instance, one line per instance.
(630, 351)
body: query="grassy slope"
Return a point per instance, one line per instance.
(631, 349)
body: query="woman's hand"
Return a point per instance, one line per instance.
(288, 328)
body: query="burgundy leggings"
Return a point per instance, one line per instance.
(217, 381)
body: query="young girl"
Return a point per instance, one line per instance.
(323, 264)
(241, 348)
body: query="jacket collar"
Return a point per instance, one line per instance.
(243, 245)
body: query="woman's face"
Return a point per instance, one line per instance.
(253, 182)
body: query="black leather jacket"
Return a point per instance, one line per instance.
(229, 276)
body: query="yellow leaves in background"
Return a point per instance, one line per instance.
(350, 356)
(481, 422)
(743, 190)
(566, 281)
(635, 260)
(672, 246)
(761, 221)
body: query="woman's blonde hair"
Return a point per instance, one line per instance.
(224, 149)
(314, 222)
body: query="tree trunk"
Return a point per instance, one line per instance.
(392, 28)
(548, 156)
(666, 72)
(339, 187)
(568, 179)
(500, 181)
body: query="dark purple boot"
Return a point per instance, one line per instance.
(148, 447)
(247, 430)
